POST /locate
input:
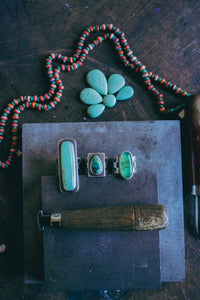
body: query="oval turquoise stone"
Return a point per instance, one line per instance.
(126, 165)
(96, 166)
(97, 80)
(125, 93)
(90, 96)
(109, 100)
(115, 83)
(95, 110)
(68, 166)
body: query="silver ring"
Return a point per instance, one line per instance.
(95, 165)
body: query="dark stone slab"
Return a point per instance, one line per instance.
(156, 145)
(85, 260)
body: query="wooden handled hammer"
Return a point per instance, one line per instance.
(114, 218)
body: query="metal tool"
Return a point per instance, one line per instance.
(114, 218)
(194, 136)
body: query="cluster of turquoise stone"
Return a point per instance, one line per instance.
(104, 93)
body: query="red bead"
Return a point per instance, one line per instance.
(161, 102)
(4, 118)
(162, 80)
(39, 106)
(184, 93)
(65, 58)
(41, 98)
(129, 53)
(3, 165)
(99, 39)
(103, 27)
(161, 109)
(68, 68)
(75, 66)
(10, 105)
(15, 117)
(33, 104)
(8, 162)
(16, 101)
(57, 99)
(85, 50)
(47, 96)
(1, 137)
(97, 27)
(52, 104)
(80, 62)
(59, 56)
(156, 77)
(51, 92)
(86, 32)
(52, 55)
(110, 26)
(2, 129)
(7, 111)
(91, 28)
(150, 86)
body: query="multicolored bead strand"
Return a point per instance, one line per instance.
(50, 99)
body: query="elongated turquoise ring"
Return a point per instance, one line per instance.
(68, 166)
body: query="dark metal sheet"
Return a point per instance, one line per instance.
(157, 147)
(75, 260)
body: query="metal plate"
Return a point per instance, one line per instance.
(84, 260)
(156, 145)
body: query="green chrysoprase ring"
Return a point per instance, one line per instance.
(126, 165)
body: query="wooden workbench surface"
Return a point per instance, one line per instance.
(165, 38)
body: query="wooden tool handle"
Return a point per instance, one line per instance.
(132, 217)
(193, 115)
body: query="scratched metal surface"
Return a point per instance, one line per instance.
(157, 147)
(92, 260)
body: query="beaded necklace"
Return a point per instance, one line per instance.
(50, 99)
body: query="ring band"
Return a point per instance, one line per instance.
(96, 165)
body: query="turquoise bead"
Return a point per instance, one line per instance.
(97, 80)
(125, 93)
(68, 166)
(95, 110)
(126, 165)
(90, 96)
(109, 100)
(115, 83)
(96, 166)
